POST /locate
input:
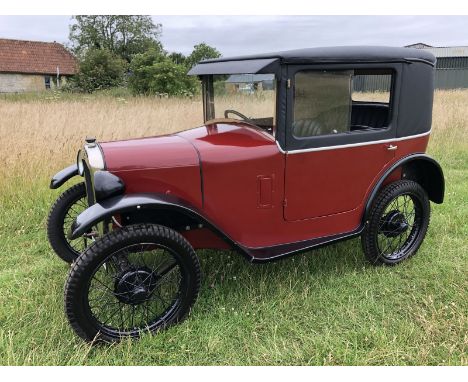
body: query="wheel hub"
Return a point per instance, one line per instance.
(135, 286)
(394, 224)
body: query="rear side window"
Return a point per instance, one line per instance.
(372, 87)
(341, 101)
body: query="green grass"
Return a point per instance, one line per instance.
(324, 307)
(327, 307)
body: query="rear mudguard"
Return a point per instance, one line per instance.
(420, 168)
(62, 176)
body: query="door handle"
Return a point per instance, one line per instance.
(391, 147)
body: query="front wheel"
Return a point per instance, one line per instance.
(136, 279)
(62, 214)
(397, 223)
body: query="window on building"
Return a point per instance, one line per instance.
(340, 101)
(47, 82)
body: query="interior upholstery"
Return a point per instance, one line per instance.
(307, 128)
(363, 116)
(369, 115)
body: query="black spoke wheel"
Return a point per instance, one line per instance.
(397, 223)
(62, 214)
(136, 279)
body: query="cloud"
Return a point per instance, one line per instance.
(237, 35)
(234, 35)
(40, 28)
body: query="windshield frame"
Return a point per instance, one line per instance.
(208, 97)
(209, 102)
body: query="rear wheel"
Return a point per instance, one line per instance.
(62, 214)
(397, 223)
(136, 279)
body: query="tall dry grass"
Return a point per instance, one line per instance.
(449, 123)
(39, 137)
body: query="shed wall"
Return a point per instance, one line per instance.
(21, 83)
(451, 73)
(444, 79)
(375, 83)
(451, 79)
(18, 83)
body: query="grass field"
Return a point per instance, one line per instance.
(325, 307)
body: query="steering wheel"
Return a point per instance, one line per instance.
(227, 112)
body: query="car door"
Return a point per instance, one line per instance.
(338, 136)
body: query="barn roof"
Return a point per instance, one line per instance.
(35, 57)
(442, 51)
(448, 51)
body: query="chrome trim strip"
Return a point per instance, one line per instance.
(351, 144)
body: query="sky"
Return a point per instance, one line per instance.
(236, 35)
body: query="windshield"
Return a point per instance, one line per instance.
(244, 97)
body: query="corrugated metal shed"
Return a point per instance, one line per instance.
(448, 51)
(376, 83)
(452, 65)
(451, 79)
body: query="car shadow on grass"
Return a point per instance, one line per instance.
(227, 275)
(341, 257)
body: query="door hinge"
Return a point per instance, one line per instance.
(285, 202)
(288, 83)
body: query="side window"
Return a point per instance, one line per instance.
(371, 95)
(322, 102)
(371, 87)
(342, 101)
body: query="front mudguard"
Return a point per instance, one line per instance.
(62, 176)
(105, 209)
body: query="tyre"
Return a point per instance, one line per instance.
(397, 223)
(136, 279)
(62, 214)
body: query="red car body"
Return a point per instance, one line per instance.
(238, 178)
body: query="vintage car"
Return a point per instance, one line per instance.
(330, 145)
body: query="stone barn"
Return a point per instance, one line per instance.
(33, 66)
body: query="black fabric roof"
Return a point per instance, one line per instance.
(231, 66)
(341, 54)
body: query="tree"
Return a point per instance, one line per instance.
(153, 73)
(99, 69)
(201, 52)
(177, 58)
(123, 35)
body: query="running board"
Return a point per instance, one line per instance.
(266, 254)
